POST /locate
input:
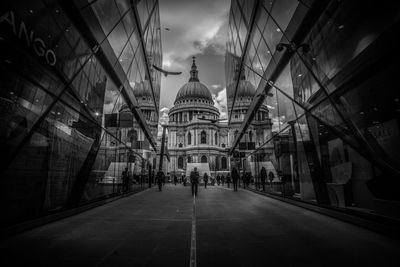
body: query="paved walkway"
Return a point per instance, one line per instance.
(240, 228)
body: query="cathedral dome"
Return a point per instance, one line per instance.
(142, 89)
(194, 88)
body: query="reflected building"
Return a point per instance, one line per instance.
(78, 103)
(259, 130)
(330, 89)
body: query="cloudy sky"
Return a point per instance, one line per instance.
(196, 28)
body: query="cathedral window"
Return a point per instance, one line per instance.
(203, 137)
(203, 159)
(250, 136)
(180, 162)
(224, 163)
(189, 159)
(216, 138)
(180, 144)
(189, 138)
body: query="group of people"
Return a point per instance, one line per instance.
(221, 179)
(233, 177)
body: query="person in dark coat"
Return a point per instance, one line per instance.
(125, 180)
(218, 179)
(223, 179)
(235, 178)
(175, 179)
(271, 177)
(160, 179)
(194, 180)
(205, 178)
(184, 180)
(247, 177)
(263, 176)
(228, 179)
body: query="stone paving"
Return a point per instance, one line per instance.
(241, 228)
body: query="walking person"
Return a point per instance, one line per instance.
(205, 178)
(263, 176)
(223, 179)
(175, 179)
(228, 180)
(235, 178)
(184, 179)
(247, 178)
(218, 179)
(160, 179)
(125, 180)
(194, 180)
(271, 177)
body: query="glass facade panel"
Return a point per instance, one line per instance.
(107, 13)
(332, 109)
(67, 132)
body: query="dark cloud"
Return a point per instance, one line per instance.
(197, 28)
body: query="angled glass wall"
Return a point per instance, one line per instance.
(78, 110)
(326, 73)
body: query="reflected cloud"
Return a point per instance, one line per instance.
(220, 102)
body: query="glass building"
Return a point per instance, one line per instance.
(327, 72)
(79, 102)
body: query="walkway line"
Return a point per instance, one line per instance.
(193, 262)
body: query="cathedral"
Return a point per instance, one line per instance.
(197, 138)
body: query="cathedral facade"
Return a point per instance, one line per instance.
(196, 135)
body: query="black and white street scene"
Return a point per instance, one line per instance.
(199, 133)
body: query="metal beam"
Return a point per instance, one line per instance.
(143, 47)
(115, 72)
(254, 13)
(296, 32)
(162, 148)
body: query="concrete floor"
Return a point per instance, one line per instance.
(241, 228)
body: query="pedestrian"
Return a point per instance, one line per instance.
(175, 179)
(235, 178)
(184, 179)
(205, 178)
(125, 180)
(194, 180)
(223, 179)
(218, 179)
(271, 177)
(247, 177)
(160, 178)
(263, 176)
(228, 180)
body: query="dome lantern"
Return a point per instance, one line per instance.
(194, 73)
